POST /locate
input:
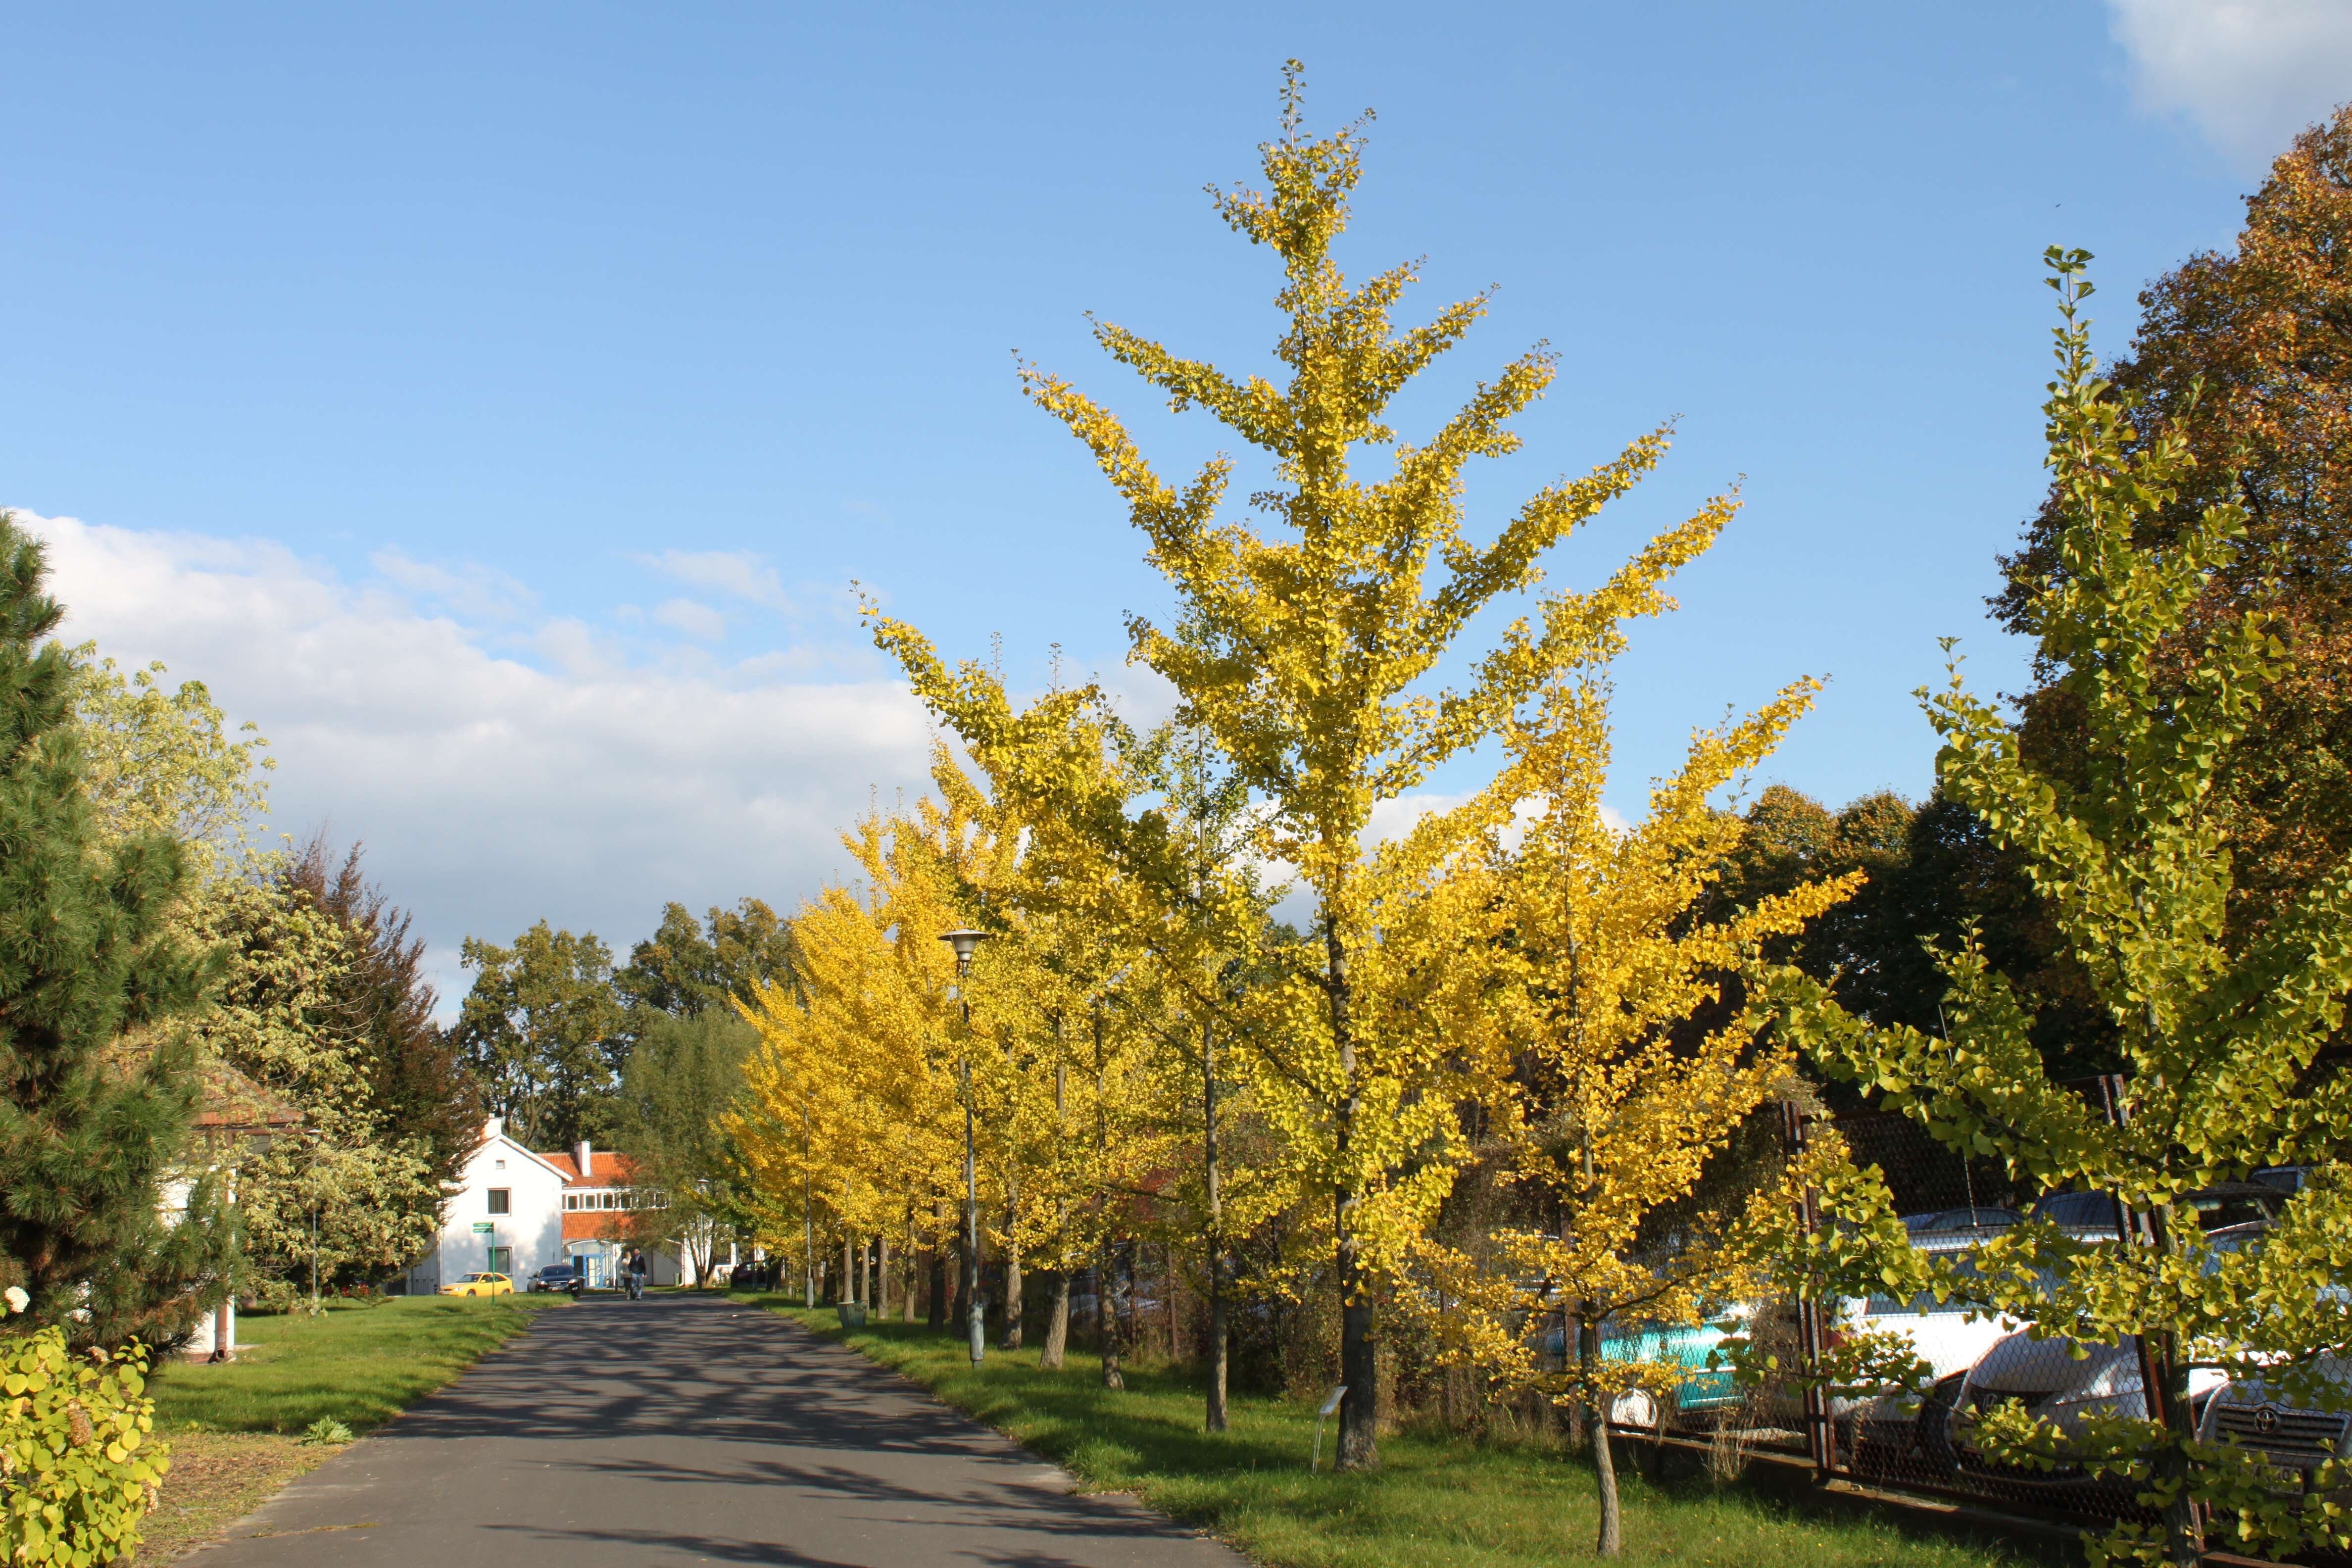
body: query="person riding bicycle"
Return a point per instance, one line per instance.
(636, 1265)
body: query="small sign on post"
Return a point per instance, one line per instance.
(1331, 1403)
(484, 1227)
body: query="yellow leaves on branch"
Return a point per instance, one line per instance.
(1511, 980)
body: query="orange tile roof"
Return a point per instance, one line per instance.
(605, 1170)
(593, 1225)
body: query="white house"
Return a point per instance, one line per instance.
(507, 1218)
(602, 1192)
(518, 1211)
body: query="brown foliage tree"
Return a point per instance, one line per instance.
(412, 1064)
(2249, 356)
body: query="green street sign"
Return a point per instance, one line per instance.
(484, 1227)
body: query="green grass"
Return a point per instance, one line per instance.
(359, 1366)
(1443, 1502)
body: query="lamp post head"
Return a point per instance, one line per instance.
(964, 941)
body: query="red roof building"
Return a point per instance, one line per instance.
(599, 1192)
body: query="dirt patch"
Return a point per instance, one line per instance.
(215, 1478)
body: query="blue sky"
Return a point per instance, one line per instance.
(496, 405)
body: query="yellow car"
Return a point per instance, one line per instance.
(479, 1285)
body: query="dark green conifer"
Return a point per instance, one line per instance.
(108, 1215)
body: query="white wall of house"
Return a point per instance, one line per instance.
(218, 1330)
(516, 1235)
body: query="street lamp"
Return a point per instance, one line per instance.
(965, 941)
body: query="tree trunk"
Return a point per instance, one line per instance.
(1013, 1301)
(853, 1275)
(1175, 1324)
(882, 1277)
(1360, 1447)
(1596, 1421)
(1215, 1237)
(1105, 1271)
(1107, 1316)
(907, 1297)
(1058, 1314)
(1130, 1335)
(2164, 1383)
(1359, 1352)
(1057, 1324)
(935, 1306)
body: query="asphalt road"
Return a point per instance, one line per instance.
(674, 1430)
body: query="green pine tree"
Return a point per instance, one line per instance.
(97, 1092)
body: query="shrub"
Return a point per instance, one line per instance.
(78, 1465)
(268, 1295)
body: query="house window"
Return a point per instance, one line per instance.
(570, 1202)
(498, 1164)
(499, 1201)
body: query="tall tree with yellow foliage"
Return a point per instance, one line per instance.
(1140, 864)
(851, 1105)
(1605, 982)
(1303, 653)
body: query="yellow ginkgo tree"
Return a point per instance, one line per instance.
(852, 1107)
(1306, 652)
(1606, 978)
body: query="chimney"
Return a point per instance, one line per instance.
(580, 1157)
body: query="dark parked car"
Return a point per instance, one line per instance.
(2218, 1207)
(559, 1277)
(1976, 1217)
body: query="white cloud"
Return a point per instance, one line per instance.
(693, 617)
(2249, 73)
(470, 590)
(491, 791)
(738, 573)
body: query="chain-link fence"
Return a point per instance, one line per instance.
(1927, 1438)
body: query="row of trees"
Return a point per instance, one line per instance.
(645, 1058)
(1504, 1069)
(221, 1062)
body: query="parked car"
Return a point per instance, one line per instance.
(1975, 1216)
(479, 1285)
(2046, 1378)
(2217, 1207)
(2297, 1440)
(559, 1277)
(2065, 1381)
(1897, 1434)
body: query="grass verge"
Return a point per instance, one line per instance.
(1438, 1501)
(234, 1430)
(216, 1478)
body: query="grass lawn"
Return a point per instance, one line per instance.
(234, 1430)
(1446, 1502)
